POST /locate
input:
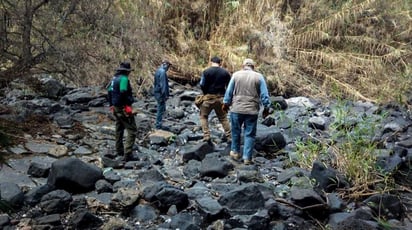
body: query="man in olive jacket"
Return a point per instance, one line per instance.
(121, 98)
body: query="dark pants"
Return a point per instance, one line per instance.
(124, 122)
(161, 108)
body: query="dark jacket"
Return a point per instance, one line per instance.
(161, 83)
(214, 80)
(120, 92)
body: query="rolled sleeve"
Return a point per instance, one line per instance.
(227, 99)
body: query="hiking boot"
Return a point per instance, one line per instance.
(112, 162)
(247, 162)
(234, 155)
(130, 157)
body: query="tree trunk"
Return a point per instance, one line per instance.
(3, 31)
(27, 26)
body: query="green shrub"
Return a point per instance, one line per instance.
(351, 149)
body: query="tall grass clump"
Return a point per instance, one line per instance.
(308, 152)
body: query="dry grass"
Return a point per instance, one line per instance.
(342, 50)
(354, 50)
(357, 49)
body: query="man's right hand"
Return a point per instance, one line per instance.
(225, 108)
(111, 108)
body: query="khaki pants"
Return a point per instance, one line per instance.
(213, 102)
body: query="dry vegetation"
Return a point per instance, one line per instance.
(325, 49)
(355, 49)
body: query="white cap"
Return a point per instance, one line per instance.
(248, 62)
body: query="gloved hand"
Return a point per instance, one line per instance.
(266, 112)
(225, 108)
(128, 110)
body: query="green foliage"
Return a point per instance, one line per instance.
(355, 151)
(172, 139)
(351, 150)
(232, 5)
(308, 152)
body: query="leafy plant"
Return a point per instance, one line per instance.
(308, 152)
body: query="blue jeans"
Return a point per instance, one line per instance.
(161, 108)
(249, 122)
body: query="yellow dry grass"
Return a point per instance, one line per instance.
(362, 48)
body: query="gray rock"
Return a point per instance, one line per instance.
(144, 213)
(12, 194)
(4, 220)
(33, 196)
(210, 208)
(56, 201)
(74, 175)
(38, 170)
(214, 165)
(243, 200)
(103, 186)
(197, 152)
(83, 219)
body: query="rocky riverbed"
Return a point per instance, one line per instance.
(63, 172)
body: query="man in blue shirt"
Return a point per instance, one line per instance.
(161, 91)
(247, 89)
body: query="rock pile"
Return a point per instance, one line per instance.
(64, 173)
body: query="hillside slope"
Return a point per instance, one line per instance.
(327, 49)
(358, 49)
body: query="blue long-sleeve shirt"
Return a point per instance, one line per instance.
(161, 83)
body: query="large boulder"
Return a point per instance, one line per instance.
(269, 139)
(74, 175)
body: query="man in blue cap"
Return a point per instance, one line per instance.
(161, 91)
